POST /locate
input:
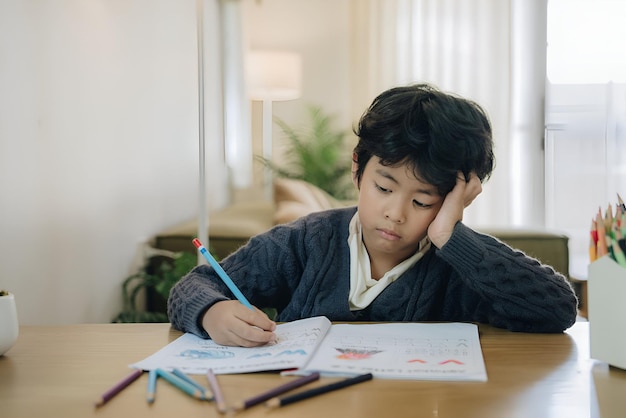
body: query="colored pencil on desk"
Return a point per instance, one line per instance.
(277, 402)
(217, 391)
(181, 384)
(192, 382)
(279, 390)
(118, 387)
(621, 202)
(220, 272)
(152, 380)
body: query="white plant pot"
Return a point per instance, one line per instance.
(8, 323)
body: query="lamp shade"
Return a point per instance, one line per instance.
(274, 75)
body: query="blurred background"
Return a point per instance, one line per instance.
(104, 106)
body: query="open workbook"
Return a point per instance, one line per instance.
(418, 351)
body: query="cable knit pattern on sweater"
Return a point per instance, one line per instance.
(302, 270)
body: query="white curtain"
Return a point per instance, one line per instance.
(470, 47)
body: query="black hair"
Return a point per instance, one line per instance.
(438, 134)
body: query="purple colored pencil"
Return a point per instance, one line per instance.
(289, 399)
(118, 387)
(255, 400)
(217, 392)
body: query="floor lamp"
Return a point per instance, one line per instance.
(272, 76)
(203, 228)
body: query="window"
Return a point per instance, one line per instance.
(585, 117)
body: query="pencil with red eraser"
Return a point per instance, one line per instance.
(220, 272)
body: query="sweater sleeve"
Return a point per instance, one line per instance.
(191, 297)
(521, 294)
(266, 271)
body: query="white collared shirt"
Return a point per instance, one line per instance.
(364, 289)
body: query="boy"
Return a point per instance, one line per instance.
(402, 254)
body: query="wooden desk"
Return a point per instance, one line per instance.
(59, 371)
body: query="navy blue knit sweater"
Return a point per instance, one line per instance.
(303, 269)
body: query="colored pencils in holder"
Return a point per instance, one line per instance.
(607, 234)
(593, 242)
(602, 249)
(118, 387)
(278, 402)
(220, 272)
(279, 390)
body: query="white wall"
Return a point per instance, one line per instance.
(98, 146)
(99, 133)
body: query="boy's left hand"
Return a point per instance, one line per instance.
(461, 196)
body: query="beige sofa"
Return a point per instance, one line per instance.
(232, 226)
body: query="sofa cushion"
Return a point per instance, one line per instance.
(229, 229)
(550, 247)
(295, 198)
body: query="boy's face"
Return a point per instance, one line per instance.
(395, 210)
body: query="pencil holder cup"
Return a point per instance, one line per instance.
(8, 322)
(606, 288)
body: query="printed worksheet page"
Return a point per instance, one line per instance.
(418, 351)
(191, 354)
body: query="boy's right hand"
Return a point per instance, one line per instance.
(230, 323)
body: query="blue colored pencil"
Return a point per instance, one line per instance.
(220, 272)
(181, 384)
(152, 379)
(179, 373)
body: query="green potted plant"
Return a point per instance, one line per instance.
(317, 155)
(154, 281)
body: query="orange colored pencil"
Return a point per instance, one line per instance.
(593, 253)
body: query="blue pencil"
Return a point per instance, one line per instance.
(152, 378)
(220, 271)
(189, 380)
(181, 384)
